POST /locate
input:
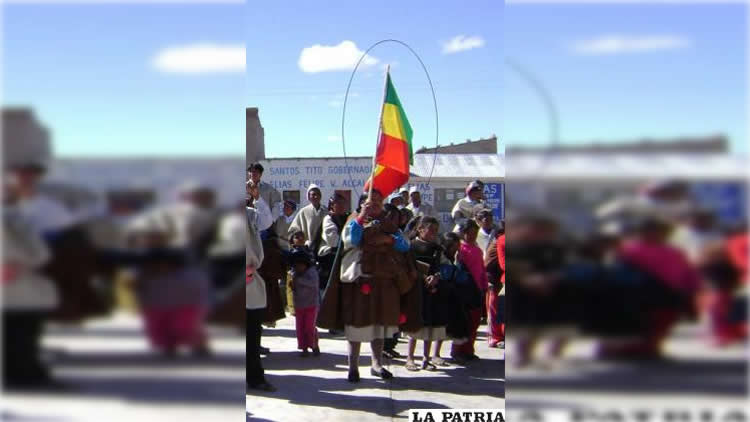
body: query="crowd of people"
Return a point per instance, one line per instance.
(180, 262)
(656, 259)
(336, 270)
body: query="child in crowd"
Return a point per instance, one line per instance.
(173, 295)
(306, 297)
(427, 251)
(296, 242)
(471, 257)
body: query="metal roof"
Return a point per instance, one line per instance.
(627, 166)
(461, 166)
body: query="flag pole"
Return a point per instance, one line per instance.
(380, 129)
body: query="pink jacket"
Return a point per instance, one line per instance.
(473, 258)
(667, 263)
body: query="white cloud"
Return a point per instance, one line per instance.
(620, 44)
(334, 138)
(201, 58)
(462, 43)
(326, 58)
(336, 103)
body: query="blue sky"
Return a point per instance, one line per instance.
(301, 111)
(88, 71)
(679, 70)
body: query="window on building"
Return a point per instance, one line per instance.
(292, 195)
(445, 199)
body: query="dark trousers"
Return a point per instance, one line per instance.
(254, 369)
(21, 349)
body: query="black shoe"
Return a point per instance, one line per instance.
(353, 376)
(394, 354)
(459, 359)
(316, 352)
(383, 373)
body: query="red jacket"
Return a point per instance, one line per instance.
(501, 255)
(737, 251)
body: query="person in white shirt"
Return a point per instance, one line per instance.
(45, 214)
(267, 192)
(27, 295)
(404, 194)
(418, 207)
(464, 208)
(262, 210)
(282, 224)
(488, 231)
(310, 218)
(190, 220)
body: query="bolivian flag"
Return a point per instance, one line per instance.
(393, 154)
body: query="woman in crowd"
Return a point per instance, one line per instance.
(472, 258)
(333, 224)
(495, 265)
(365, 298)
(669, 293)
(456, 311)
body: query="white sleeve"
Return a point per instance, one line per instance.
(456, 212)
(296, 224)
(330, 232)
(265, 218)
(277, 210)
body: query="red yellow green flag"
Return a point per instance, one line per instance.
(394, 152)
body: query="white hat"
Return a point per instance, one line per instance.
(413, 189)
(403, 189)
(311, 187)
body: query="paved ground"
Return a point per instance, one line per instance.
(694, 375)
(114, 377)
(316, 389)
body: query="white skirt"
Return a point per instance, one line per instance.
(369, 333)
(429, 333)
